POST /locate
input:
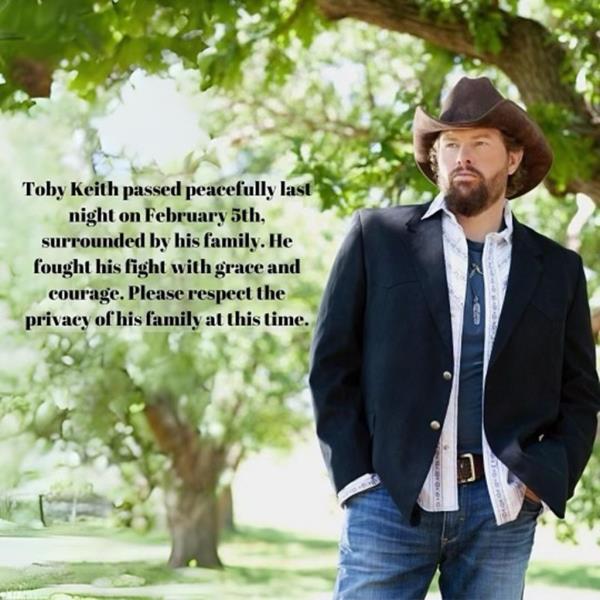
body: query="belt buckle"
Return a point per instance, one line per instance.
(471, 478)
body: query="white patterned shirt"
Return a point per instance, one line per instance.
(440, 490)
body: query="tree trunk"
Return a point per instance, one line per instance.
(190, 488)
(192, 517)
(225, 513)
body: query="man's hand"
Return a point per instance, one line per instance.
(531, 495)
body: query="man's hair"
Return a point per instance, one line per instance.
(514, 182)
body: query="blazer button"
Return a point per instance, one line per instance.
(435, 425)
(447, 375)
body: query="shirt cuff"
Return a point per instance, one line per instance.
(360, 484)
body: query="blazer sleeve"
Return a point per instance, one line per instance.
(580, 399)
(335, 365)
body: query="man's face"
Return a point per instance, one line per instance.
(473, 168)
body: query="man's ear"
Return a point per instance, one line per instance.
(514, 160)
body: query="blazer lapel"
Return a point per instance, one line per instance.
(525, 270)
(425, 241)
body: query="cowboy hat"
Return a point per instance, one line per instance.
(475, 102)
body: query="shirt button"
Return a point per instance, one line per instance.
(435, 425)
(447, 375)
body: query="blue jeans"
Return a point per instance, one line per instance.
(383, 558)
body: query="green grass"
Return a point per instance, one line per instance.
(259, 563)
(556, 574)
(84, 528)
(51, 574)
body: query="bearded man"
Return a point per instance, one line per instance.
(453, 367)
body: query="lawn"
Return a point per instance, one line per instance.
(259, 563)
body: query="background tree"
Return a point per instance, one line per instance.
(175, 410)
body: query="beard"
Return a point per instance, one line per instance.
(470, 198)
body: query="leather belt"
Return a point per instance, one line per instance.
(469, 467)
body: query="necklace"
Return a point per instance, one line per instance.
(475, 268)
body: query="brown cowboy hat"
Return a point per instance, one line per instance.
(477, 103)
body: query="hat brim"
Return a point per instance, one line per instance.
(505, 116)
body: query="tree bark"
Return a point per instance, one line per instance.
(191, 500)
(530, 57)
(193, 522)
(34, 76)
(225, 510)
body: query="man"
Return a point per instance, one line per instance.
(452, 368)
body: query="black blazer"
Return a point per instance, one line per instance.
(383, 341)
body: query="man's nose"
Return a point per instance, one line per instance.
(463, 156)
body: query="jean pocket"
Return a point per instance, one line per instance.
(531, 506)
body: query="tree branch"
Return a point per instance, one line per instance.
(32, 75)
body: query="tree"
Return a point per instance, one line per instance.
(174, 409)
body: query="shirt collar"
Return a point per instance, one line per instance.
(439, 203)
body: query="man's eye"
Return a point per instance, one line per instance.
(450, 144)
(480, 143)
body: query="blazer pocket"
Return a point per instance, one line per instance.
(394, 284)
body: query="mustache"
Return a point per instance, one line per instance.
(465, 170)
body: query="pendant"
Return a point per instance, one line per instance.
(476, 311)
(475, 268)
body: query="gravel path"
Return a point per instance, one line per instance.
(20, 552)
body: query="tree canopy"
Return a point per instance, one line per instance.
(173, 409)
(548, 49)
